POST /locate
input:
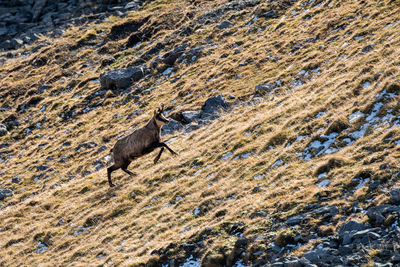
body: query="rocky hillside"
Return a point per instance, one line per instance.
(285, 115)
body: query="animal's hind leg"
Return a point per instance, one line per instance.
(159, 155)
(109, 171)
(125, 166)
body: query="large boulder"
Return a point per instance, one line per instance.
(214, 104)
(122, 78)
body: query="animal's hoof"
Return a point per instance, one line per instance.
(112, 185)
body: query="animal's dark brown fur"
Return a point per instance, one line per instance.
(139, 143)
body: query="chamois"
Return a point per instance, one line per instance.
(139, 143)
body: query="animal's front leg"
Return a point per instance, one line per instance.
(170, 150)
(159, 155)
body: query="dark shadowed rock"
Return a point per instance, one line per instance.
(169, 58)
(3, 130)
(37, 9)
(296, 219)
(122, 78)
(395, 196)
(264, 88)
(171, 127)
(270, 14)
(377, 214)
(367, 49)
(42, 167)
(190, 116)
(193, 53)
(214, 104)
(351, 226)
(5, 193)
(225, 24)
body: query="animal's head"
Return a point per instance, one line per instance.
(159, 116)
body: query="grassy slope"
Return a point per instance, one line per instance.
(136, 214)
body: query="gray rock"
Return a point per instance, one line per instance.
(37, 9)
(171, 127)
(364, 237)
(367, 49)
(5, 193)
(326, 211)
(394, 195)
(270, 14)
(324, 257)
(351, 226)
(214, 104)
(225, 24)
(190, 116)
(169, 58)
(377, 214)
(296, 219)
(122, 78)
(193, 53)
(3, 130)
(15, 180)
(345, 250)
(42, 167)
(388, 264)
(264, 88)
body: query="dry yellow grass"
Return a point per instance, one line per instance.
(83, 221)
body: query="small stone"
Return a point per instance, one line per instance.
(42, 167)
(225, 24)
(395, 196)
(264, 88)
(270, 14)
(5, 193)
(367, 49)
(3, 130)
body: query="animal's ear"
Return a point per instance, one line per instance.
(162, 108)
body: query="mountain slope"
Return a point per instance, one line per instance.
(303, 141)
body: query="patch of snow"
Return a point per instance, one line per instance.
(323, 183)
(386, 95)
(366, 84)
(226, 156)
(196, 211)
(190, 262)
(358, 37)
(322, 175)
(348, 141)
(361, 183)
(167, 71)
(171, 140)
(277, 163)
(259, 176)
(41, 247)
(319, 115)
(360, 133)
(80, 230)
(355, 116)
(246, 155)
(371, 117)
(300, 137)
(317, 148)
(211, 175)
